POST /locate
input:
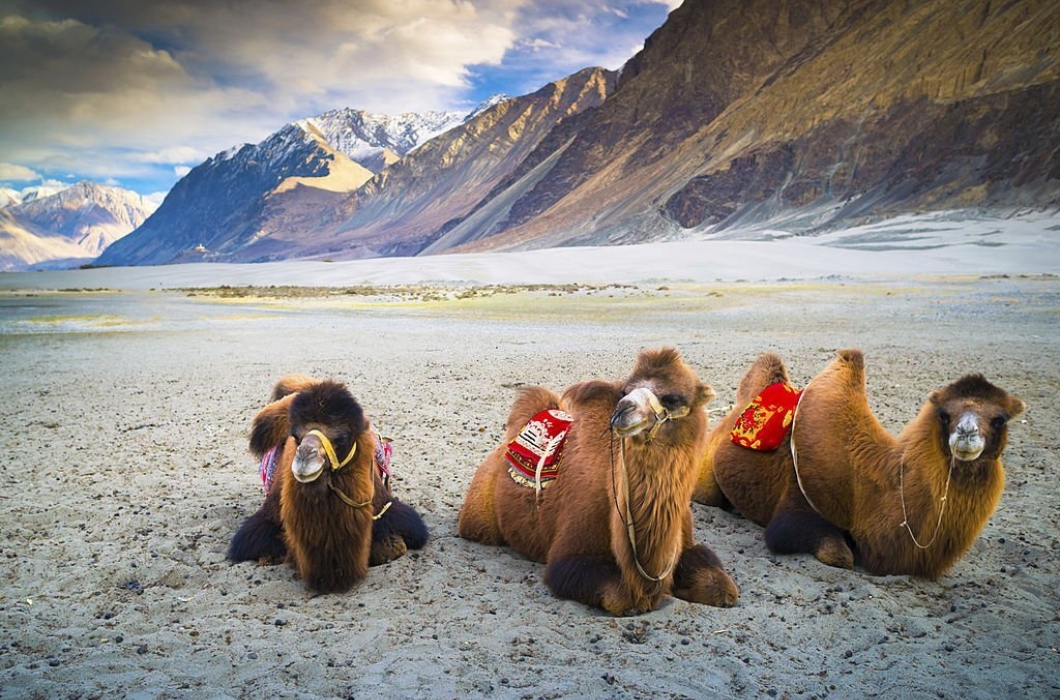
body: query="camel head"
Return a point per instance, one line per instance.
(325, 423)
(973, 417)
(661, 390)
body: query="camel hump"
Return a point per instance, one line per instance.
(530, 401)
(852, 356)
(767, 369)
(291, 384)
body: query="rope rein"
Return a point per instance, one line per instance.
(795, 455)
(942, 503)
(662, 415)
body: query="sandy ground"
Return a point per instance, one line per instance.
(124, 418)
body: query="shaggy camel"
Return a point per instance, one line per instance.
(850, 493)
(614, 525)
(328, 506)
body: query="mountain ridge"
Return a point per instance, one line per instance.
(736, 115)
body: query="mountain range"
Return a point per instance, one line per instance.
(737, 117)
(64, 228)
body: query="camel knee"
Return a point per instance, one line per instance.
(595, 581)
(258, 539)
(700, 578)
(809, 533)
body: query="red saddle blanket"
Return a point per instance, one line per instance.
(767, 419)
(533, 456)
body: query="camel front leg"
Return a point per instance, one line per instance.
(806, 532)
(399, 529)
(699, 576)
(592, 580)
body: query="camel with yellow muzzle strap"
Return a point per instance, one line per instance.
(330, 518)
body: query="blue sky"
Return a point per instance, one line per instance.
(134, 94)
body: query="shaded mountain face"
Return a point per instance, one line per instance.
(68, 227)
(742, 112)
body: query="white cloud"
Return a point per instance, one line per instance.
(17, 173)
(117, 89)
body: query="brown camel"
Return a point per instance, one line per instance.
(328, 506)
(850, 493)
(614, 527)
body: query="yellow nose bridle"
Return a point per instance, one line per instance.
(329, 450)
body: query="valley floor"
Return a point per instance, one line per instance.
(124, 419)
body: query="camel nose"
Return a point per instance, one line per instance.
(308, 460)
(966, 441)
(967, 428)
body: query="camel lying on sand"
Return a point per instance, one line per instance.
(328, 506)
(611, 517)
(838, 486)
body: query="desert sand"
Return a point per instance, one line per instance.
(126, 403)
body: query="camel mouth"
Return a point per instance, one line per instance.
(967, 454)
(305, 478)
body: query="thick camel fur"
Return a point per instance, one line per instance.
(907, 504)
(647, 431)
(331, 521)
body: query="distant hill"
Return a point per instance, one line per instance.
(68, 227)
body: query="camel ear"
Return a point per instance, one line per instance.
(271, 426)
(1015, 406)
(704, 395)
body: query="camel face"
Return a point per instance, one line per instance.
(973, 417)
(641, 410)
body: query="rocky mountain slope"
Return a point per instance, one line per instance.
(71, 226)
(250, 202)
(739, 117)
(750, 113)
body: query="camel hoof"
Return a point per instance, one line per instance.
(712, 587)
(387, 551)
(835, 553)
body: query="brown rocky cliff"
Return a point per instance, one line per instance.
(404, 208)
(738, 111)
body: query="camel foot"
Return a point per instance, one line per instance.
(835, 553)
(700, 578)
(387, 550)
(617, 601)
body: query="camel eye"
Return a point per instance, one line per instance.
(672, 401)
(998, 422)
(944, 418)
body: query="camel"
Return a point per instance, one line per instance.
(613, 525)
(840, 487)
(328, 506)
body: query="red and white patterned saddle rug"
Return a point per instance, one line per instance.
(533, 456)
(767, 419)
(384, 452)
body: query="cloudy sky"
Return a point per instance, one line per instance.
(136, 92)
